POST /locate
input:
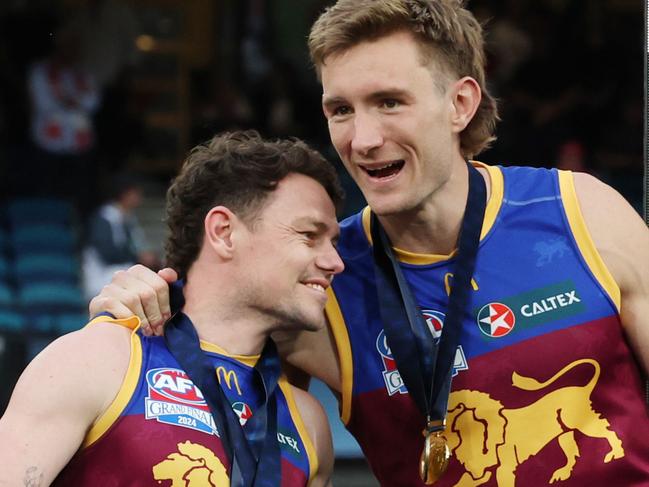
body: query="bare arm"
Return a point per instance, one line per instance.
(317, 425)
(622, 239)
(57, 398)
(310, 354)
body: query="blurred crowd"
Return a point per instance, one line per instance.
(569, 76)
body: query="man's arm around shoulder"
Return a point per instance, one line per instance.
(56, 400)
(622, 239)
(317, 425)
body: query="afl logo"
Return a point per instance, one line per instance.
(393, 381)
(382, 346)
(496, 320)
(434, 321)
(175, 385)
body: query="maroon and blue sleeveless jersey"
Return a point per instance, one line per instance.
(159, 431)
(545, 387)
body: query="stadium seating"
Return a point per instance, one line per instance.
(39, 268)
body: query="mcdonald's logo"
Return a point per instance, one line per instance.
(228, 377)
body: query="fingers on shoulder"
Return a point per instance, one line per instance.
(137, 291)
(168, 274)
(121, 302)
(150, 289)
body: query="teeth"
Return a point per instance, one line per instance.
(317, 287)
(382, 167)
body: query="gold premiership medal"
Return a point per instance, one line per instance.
(435, 457)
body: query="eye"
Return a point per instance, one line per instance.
(341, 110)
(390, 103)
(309, 237)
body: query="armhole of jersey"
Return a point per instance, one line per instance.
(131, 379)
(584, 241)
(365, 219)
(344, 349)
(497, 185)
(301, 428)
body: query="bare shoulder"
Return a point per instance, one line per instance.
(599, 201)
(618, 232)
(317, 425)
(309, 407)
(99, 344)
(89, 363)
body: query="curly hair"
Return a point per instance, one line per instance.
(238, 170)
(448, 35)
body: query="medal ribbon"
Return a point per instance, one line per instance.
(425, 366)
(255, 457)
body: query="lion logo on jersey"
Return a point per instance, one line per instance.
(192, 466)
(486, 438)
(549, 249)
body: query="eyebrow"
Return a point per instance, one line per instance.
(389, 93)
(328, 101)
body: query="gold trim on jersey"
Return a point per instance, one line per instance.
(301, 428)
(250, 360)
(129, 384)
(491, 212)
(343, 346)
(583, 238)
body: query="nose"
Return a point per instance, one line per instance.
(329, 260)
(367, 133)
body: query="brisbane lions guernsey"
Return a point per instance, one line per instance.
(159, 431)
(545, 388)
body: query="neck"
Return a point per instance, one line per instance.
(218, 321)
(434, 227)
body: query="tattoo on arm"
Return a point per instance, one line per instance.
(33, 477)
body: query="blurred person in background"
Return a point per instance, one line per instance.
(115, 238)
(64, 98)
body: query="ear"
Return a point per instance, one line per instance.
(466, 96)
(219, 224)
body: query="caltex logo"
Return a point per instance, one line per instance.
(243, 411)
(496, 320)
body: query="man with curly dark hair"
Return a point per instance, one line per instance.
(252, 234)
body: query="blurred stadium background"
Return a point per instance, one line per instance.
(168, 74)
